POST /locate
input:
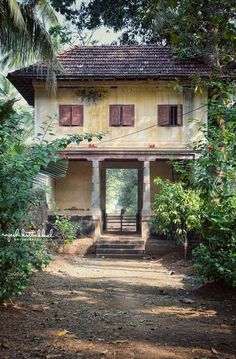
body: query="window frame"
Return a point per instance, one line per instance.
(121, 106)
(170, 121)
(70, 120)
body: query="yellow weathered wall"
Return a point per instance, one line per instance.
(75, 189)
(144, 95)
(159, 169)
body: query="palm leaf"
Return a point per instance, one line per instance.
(23, 45)
(15, 13)
(46, 12)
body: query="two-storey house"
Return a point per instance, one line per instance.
(129, 94)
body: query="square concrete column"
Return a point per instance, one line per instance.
(96, 200)
(146, 211)
(50, 193)
(188, 100)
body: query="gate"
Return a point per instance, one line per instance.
(121, 223)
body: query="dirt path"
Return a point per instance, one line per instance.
(89, 308)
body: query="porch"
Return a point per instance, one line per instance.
(82, 193)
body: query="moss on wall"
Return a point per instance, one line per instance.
(144, 95)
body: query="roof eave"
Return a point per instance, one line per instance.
(24, 82)
(24, 86)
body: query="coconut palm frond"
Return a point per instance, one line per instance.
(15, 12)
(46, 12)
(21, 46)
(7, 90)
(39, 40)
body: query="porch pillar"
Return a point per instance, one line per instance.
(146, 211)
(95, 208)
(188, 100)
(50, 193)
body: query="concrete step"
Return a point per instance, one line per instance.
(121, 256)
(120, 243)
(124, 246)
(120, 246)
(106, 251)
(120, 237)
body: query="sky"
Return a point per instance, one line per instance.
(102, 36)
(105, 37)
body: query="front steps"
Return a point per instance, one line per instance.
(120, 246)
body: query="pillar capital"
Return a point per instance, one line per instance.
(95, 163)
(147, 158)
(95, 159)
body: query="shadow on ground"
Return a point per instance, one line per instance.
(88, 308)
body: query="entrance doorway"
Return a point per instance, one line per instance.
(121, 214)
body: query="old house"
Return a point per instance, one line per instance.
(129, 94)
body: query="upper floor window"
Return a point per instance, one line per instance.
(71, 115)
(170, 115)
(121, 115)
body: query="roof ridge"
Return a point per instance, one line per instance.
(159, 47)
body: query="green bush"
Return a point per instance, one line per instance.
(19, 259)
(213, 175)
(215, 258)
(66, 229)
(177, 210)
(218, 263)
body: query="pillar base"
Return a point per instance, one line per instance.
(97, 229)
(145, 227)
(97, 218)
(145, 230)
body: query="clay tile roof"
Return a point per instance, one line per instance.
(113, 62)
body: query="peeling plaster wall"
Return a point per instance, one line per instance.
(159, 169)
(74, 191)
(143, 94)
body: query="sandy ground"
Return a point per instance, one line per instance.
(98, 308)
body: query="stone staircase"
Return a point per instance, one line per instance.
(120, 246)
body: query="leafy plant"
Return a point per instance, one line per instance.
(19, 165)
(20, 257)
(177, 211)
(26, 19)
(66, 229)
(213, 175)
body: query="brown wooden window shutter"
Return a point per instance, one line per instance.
(180, 115)
(115, 115)
(163, 112)
(128, 115)
(64, 115)
(77, 115)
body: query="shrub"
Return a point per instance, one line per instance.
(66, 229)
(215, 258)
(213, 175)
(177, 211)
(19, 259)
